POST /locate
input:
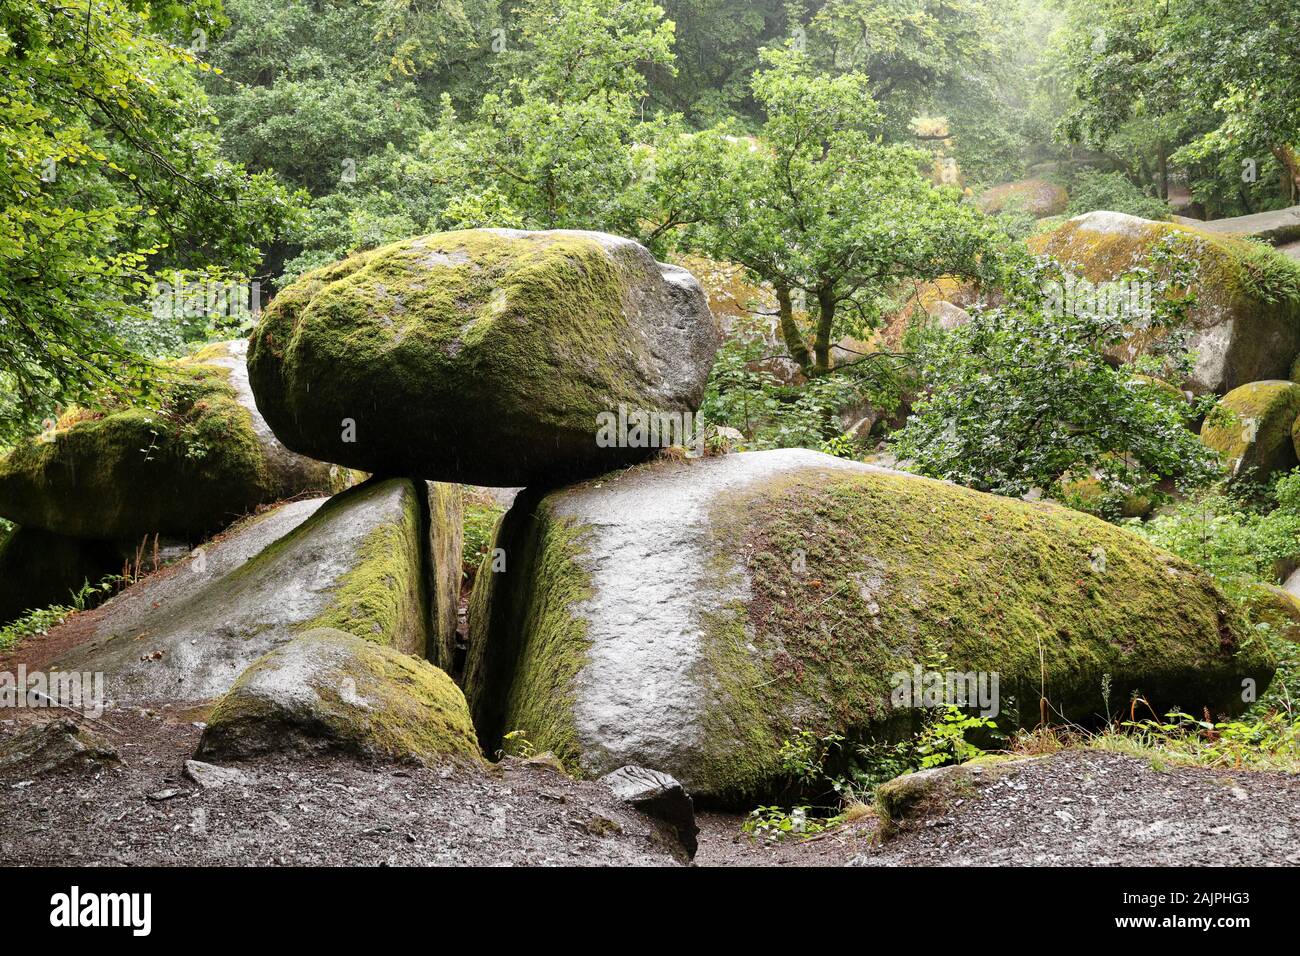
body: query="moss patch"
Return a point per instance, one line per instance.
(526, 643)
(188, 467)
(1251, 427)
(899, 570)
(456, 337)
(328, 690)
(1251, 285)
(382, 598)
(1278, 609)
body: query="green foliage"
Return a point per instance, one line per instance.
(917, 54)
(774, 824)
(516, 744)
(941, 740)
(33, 624)
(1238, 535)
(744, 395)
(1207, 85)
(479, 525)
(819, 204)
(1023, 397)
(112, 169)
(39, 621)
(1269, 742)
(558, 140)
(1093, 189)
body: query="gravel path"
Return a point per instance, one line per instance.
(1092, 808)
(323, 812)
(1079, 807)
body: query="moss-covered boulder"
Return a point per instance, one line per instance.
(186, 468)
(1090, 494)
(1276, 608)
(38, 569)
(691, 616)
(1250, 428)
(357, 563)
(328, 690)
(483, 356)
(1031, 197)
(1245, 326)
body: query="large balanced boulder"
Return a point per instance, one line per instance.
(484, 356)
(1245, 325)
(356, 563)
(689, 617)
(1250, 428)
(188, 468)
(327, 690)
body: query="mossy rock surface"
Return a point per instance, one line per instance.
(1277, 608)
(446, 523)
(328, 690)
(1090, 495)
(356, 563)
(481, 356)
(907, 801)
(1251, 429)
(690, 617)
(38, 569)
(1033, 197)
(1245, 326)
(187, 469)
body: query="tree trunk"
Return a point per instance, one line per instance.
(790, 331)
(1291, 164)
(822, 343)
(1162, 160)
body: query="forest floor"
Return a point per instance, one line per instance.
(1077, 807)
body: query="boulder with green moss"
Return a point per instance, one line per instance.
(1245, 326)
(38, 569)
(189, 467)
(1277, 608)
(692, 616)
(1250, 428)
(327, 690)
(1031, 197)
(356, 563)
(482, 356)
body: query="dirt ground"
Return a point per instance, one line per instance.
(1075, 808)
(319, 812)
(1093, 808)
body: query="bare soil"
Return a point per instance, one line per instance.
(1078, 807)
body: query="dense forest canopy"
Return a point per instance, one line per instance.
(831, 148)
